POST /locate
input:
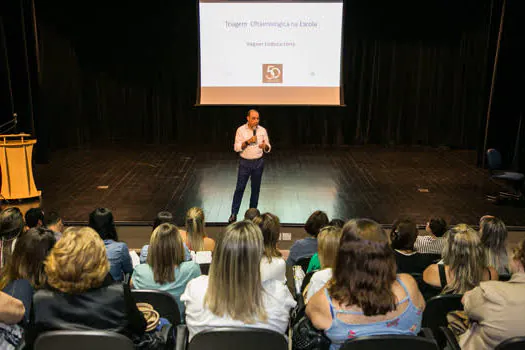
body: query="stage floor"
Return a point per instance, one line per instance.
(372, 181)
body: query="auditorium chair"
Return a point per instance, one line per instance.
(390, 342)
(163, 302)
(232, 338)
(205, 268)
(505, 277)
(435, 314)
(306, 280)
(512, 180)
(451, 341)
(515, 343)
(82, 340)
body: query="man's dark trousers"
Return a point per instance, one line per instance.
(248, 168)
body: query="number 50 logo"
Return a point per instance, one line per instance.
(272, 73)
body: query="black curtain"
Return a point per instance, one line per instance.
(508, 109)
(414, 73)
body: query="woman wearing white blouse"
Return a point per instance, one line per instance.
(233, 294)
(273, 266)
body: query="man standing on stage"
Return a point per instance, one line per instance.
(251, 140)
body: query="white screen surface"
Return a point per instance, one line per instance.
(270, 52)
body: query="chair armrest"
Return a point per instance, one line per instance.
(452, 343)
(182, 337)
(427, 333)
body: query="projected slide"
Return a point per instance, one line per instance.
(270, 52)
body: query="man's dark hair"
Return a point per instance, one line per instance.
(316, 222)
(52, 218)
(34, 215)
(251, 214)
(438, 226)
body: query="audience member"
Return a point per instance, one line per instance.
(233, 294)
(306, 247)
(161, 218)
(195, 234)
(336, 223)
(27, 260)
(34, 217)
(403, 236)
(166, 269)
(81, 294)
(11, 226)
(11, 309)
(101, 220)
(366, 297)
(251, 214)
(495, 308)
(494, 239)
(329, 239)
(273, 265)
(328, 248)
(53, 221)
(433, 243)
(464, 263)
(11, 326)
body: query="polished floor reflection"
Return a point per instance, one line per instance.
(375, 182)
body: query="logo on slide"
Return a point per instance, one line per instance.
(272, 73)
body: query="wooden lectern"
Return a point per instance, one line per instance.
(16, 153)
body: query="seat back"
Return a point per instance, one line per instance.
(306, 280)
(515, 343)
(493, 159)
(205, 268)
(436, 310)
(164, 303)
(82, 340)
(435, 314)
(238, 338)
(505, 277)
(390, 342)
(304, 262)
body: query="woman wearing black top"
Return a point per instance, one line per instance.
(403, 236)
(81, 293)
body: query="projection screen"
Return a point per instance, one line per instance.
(270, 52)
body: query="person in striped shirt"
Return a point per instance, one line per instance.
(433, 243)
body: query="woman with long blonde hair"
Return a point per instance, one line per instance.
(195, 234)
(273, 265)
(329, 238)
(464, 263)
(233, 294)
(165, 268)
(494, 240)
(81, 293)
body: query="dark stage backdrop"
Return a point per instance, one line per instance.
(117, 71)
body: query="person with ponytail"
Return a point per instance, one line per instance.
(195, 235)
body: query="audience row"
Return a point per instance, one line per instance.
(364, 280)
